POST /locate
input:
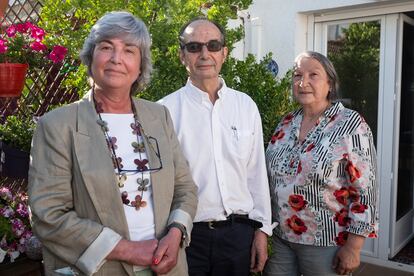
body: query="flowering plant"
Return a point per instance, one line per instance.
(14, 224)
(24, 43)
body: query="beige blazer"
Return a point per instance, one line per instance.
(72, 190)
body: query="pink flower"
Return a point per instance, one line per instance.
(58, 54)
(7, 212)
(11, 31)
(3, 46)
(18, 227)
(13, 207)
(38, 46)
(23, 27)
(37, 33)
(27, 42)
(22, 210)
(6, 194)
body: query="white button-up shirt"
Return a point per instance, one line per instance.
(223, 144)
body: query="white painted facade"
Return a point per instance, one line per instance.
(287, 28)
(281, 27)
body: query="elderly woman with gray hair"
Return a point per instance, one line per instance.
(109, 189)
(321, 167)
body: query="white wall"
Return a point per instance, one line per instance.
(280, 27)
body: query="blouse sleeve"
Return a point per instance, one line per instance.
(360, 169)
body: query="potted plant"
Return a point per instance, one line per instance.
(15, 139)
(21, 46)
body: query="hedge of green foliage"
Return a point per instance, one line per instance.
(17, 132)
(70, 22)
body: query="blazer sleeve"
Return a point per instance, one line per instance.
(184, 204)
(55, 221)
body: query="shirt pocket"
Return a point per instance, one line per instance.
(240, 142)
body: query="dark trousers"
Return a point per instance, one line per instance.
(222, 251)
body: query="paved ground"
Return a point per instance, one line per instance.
(373, 270)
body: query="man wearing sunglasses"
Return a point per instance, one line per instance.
(220, 134)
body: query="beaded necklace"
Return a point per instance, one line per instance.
(138, 147)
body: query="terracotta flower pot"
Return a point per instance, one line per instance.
(12, 79)
(3, 7)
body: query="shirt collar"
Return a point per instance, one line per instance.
(199, 95)
(334, 109)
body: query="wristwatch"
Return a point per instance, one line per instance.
(181, 227)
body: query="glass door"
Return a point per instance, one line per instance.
(355, 47)
(403, 211)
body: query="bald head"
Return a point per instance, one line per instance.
(194, 25)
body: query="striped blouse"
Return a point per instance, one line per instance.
(323, 188)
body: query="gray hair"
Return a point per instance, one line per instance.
(122, 25)
(329, 69)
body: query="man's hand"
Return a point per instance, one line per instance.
(166, 255)
(134, 252)
(347, 258)
(258, 252)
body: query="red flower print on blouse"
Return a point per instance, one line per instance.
(299, 167)
(354, 172)
(342, 195)
(296, 224)
(358, 208)
(353, 194)
(342, 217)
(287, 119)
(341, 239)
(277, 136)
(373, 235)
(310, 147)
(297, 202)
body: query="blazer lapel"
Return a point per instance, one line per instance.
(97, 170)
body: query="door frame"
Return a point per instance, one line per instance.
(399, 234)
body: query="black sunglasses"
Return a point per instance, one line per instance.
(196, 47)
